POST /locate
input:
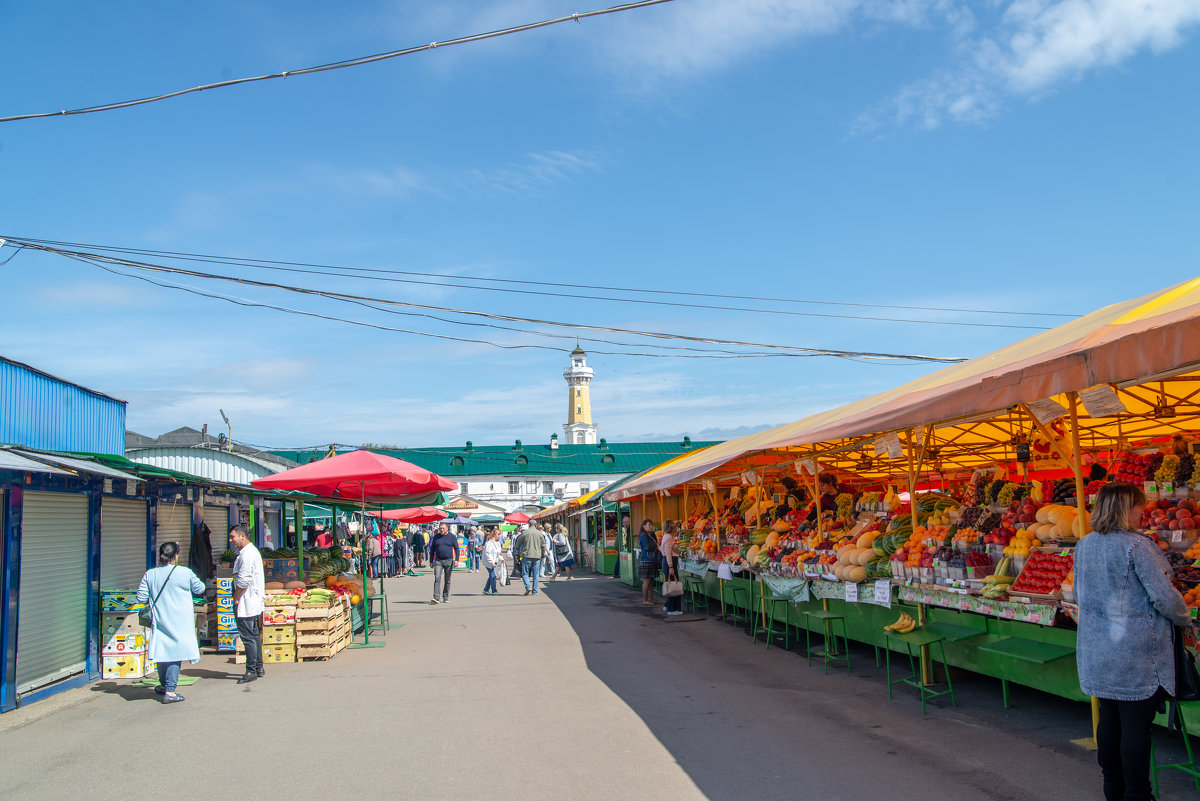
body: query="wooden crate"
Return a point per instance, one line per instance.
(281, 600)
(306, 653)
(305, 612)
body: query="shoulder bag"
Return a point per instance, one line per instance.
(672, 589)
(1187, 680)
(146, 616)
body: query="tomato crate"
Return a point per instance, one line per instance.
(1042, 576)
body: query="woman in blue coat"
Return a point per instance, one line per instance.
(168, 589)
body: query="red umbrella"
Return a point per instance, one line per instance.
(421, 514)
(517, 517)
(359, 475)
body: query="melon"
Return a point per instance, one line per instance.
(273, 585)
(856, 574)
(867, 539)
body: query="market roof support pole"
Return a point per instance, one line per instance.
(714, 496)
(758, 498)
(914, 467)
(816, 470)
(1077, 464)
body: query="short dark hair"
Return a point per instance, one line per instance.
(240, 529)
(1113, 504)
(167, 551)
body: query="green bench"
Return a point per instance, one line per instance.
(1039, 653)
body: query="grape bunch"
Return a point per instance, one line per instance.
(969, 515)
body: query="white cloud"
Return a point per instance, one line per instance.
(534, 174)
(1032, 47)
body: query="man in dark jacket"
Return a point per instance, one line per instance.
(418, 546)
(443, 552)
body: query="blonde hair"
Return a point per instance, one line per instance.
(1113, 504)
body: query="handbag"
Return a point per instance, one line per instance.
(146, 616)
(1187, 680)
(672, 589)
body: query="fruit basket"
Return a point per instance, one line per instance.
(1043, 574)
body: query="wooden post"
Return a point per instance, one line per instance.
(1077, 464)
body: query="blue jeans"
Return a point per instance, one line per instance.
(531, 571)
(168, 675)
(473, 560)
(490, 584)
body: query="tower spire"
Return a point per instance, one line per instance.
(580, 430)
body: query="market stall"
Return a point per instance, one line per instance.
(962, 492)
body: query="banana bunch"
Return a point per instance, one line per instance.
(903, 625)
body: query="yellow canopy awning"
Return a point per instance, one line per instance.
(1146, 347)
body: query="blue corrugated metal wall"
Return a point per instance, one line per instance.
(40, 411)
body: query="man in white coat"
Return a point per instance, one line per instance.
(249, 593)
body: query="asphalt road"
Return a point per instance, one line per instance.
(577, 693)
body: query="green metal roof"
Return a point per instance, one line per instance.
(533, 460)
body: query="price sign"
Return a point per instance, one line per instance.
(889, 444)
(1007, 613)
(1176, 536)
(851, 592)
(1047, 410)
(807, 466)
(1035, 617)
(1102, 401)
(883, 592)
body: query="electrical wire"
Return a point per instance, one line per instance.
(248, 262)
(93, 258)
(337, 65)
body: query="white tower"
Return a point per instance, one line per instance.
(580, 429)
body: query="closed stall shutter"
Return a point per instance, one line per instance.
(52, 605)
(122, 543)
(217, 518)
(175, 525)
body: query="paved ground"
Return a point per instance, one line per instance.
(576, 693)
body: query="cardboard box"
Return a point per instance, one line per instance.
(224, 586)
(228, 642)
(279, 616)
(120, 623)
(126, 666)
(120, 602)
(119, 644)
(226, 621)
(202, 626)
(279, 652)
(278, 634)
(150, 667)
(224, 603)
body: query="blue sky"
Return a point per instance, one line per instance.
(1026, 156)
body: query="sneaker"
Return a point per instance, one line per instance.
(445, 600)
(675, 613)
(261, 673)
(172, 699)
(528, 591)
(245, 679)
(433, 601)
(160, 690)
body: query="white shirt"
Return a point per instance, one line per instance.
(491, 553)
(248, 574)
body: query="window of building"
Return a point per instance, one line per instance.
(578, 392)
(584, 489)
(578, 410)
(531, 487)
(462, 486)
(514, 487)
(547, 487)
(579, 438)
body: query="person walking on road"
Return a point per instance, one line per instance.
(502, 566)
(532, 547)
(548, 561)
(443, 551)
(492, 557)
(249, 594)
(1127, 610)
(168, 590)
(374, 555)
(418, 547)
(669, 548)
(648, 559)
(474, 549)
(564, 557)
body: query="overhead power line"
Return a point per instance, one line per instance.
(96, 259)
(337, 65)
(349, 272)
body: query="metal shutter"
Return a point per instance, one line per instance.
(52, 606)
(175, 525)
(122, 543)
(217, 518)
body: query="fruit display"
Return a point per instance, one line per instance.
(1171, 515)
(1044, 573)
(997, 584)
(1133, 468)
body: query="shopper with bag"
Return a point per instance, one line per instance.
(648, 560)
(672, 588)
(564, 557)
(492, 558)
(1124, 649)
(167, 591)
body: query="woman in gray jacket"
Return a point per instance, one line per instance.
(1127, 608)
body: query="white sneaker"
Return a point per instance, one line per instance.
(434, 601)
(674, 613)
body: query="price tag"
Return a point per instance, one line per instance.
(883, 592)
(1176, 536)
(1047, 410)
(1102, 401)
(851, 592)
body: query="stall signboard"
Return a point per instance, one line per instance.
(462, 550)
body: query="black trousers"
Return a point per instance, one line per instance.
(1123, 747)
(250, 631)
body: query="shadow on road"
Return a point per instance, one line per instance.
(743, 719)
